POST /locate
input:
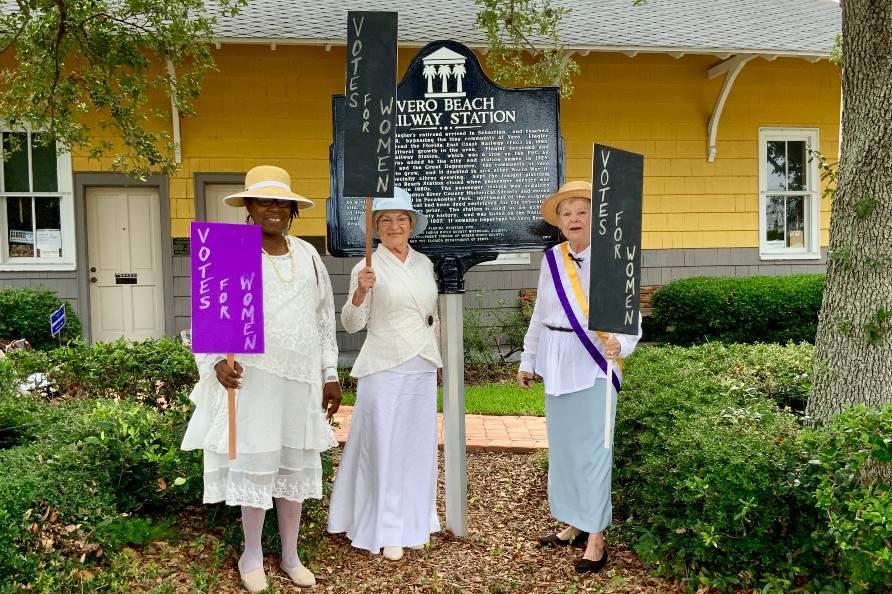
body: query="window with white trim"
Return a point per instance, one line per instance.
(36, 205)
(789, 194)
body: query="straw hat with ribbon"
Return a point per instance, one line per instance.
(401, 200)
(266, 181)
(568, 191)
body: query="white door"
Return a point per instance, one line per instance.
(124, 254)
(215, 210)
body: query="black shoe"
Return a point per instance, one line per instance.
(553, 540)
(586, 566)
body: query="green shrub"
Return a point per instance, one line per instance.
(493, 336)
(153, 371)
(706, 456)
(720, 503)
(848, 467)
(85, 463)
(737, 309)
(25, 313)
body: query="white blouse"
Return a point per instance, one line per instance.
(299, 320)
(559, 357)
(400, 313)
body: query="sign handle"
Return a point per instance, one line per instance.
(608, 394)
(230, 360)
(368, 232)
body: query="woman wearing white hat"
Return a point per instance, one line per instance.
(572, 362)
(385, 490)
(283, 394)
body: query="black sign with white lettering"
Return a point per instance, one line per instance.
(370, 110)
(614, 291)
(477, 158)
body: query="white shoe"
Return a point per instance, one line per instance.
(417, 547)
(254, 581)
(393, 553)
(300, 575)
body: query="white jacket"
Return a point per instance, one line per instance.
(400, 312)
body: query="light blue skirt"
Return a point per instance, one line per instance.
(580, 457)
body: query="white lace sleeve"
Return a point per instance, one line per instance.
(325, 321)
(354, 318)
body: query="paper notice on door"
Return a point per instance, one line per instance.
(48, 243)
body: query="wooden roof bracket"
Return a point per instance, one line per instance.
(730, 68)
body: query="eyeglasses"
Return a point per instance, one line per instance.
(267, 202)
(401, 221)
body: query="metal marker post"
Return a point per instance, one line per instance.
(450, 274)
(455, 453)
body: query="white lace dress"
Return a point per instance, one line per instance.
(281, 428)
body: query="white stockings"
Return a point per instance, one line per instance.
(289, 525)
(252, 526)
(288, 513)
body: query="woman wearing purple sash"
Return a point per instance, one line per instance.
(574, 363)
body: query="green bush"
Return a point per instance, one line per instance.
(848, 467)
(25, 313)
(85, 463)
(706, 456)
(736, 309)
(493, 336)
(720, 502)
(153, 371)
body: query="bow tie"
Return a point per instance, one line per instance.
(576, 259)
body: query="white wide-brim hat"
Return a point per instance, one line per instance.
(267, 181)
(401, 200)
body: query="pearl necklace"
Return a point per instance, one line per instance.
(276, 267)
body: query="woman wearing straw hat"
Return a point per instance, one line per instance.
(283, 394)
(385, 490)
(572, 362)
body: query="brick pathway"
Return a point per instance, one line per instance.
(484, 433)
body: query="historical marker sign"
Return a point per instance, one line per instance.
(368, 117)
(615, 291)
(227, 288)
(477, 158)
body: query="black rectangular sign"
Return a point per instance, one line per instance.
(615, 291)
(477, 158)
(371, 104)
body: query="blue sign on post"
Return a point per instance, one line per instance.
(57, 320)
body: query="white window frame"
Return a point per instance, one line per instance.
(812, 247)
(64, 192)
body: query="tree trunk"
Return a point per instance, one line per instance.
(853, 347)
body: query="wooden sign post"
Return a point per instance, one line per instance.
(369, 163)
(227, 296)
(615, 287)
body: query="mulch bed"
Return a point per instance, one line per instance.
(507, 510)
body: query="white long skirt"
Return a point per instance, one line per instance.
(281, 432)
(385, 489)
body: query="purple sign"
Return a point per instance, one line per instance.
(227, 288)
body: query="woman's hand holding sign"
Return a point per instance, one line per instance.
(229, 378)
(611, 346)
(365, 283)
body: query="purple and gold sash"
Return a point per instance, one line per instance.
(593, 349)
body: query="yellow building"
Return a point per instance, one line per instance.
(726, 108)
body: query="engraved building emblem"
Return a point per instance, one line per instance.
(444, 64)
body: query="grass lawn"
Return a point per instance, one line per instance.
(493, 399)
